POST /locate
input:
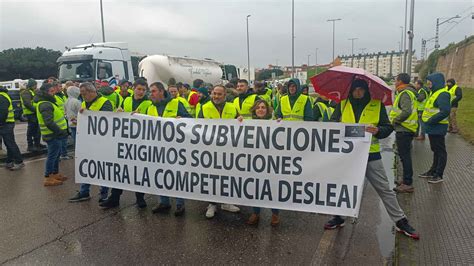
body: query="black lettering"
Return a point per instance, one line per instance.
(297, 191)
(281, 185)
(330, 194)
(333, 140)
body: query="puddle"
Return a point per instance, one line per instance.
(384, 232)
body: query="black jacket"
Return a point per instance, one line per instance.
(160, 106)
(4, 104)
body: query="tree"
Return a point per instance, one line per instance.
(267, 74)
(24, 63)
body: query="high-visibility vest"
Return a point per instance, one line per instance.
(421, 105)
(130, 91)
(58, 118)
(171, 109)
(269, 93)
(115, 98)
(192, 108)
(27, 111)
(60, 101)
(431, 110)
(411, 123)
(266, 98)
(370, 116)
(210, 111)
(297, 112)
(323, 110)
(247, 104)
(452, 92)
(198, 110)
(11, 113)
(96, 105)
(185, 102)
(142, 107)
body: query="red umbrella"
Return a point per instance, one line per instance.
(336, 82)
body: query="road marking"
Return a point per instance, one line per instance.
(324, 247)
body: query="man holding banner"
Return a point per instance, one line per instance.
(218, 108)
(137, 103)
(360, 108)
(164, 106)
(94, 102)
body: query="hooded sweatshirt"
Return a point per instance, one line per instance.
(308, 109)
(72, 105)
(443, 102)
(405, 104)
(358, 105)
(160, 106)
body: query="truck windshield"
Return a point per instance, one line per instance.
(78, 71)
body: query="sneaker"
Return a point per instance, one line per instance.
(275, 220)
(230, 208)
(7, 165)
(428, 174)
(141, 203)
(398, 182)
(435, 179)
(49, 181)
(41, 147)
(179, 211)
(59, 177)
(404, 189)
(109, 203)
(161, 208)
(65, 157)
(80, 197)
(403, 227)
(103, 197)
(211, 211)
(335, 222)
(17, 166)
(420, 138)
(253, 219)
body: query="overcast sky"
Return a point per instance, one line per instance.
(217, 29)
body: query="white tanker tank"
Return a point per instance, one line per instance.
(184, 69)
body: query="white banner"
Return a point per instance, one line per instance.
(301, 166)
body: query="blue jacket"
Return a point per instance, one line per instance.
(432, 126)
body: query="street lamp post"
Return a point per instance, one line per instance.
(316, 58)
(333, 20)
(401, 49)
(405, 38)
(308, 60)
(248, 49)
(102, 19)
(410, 37)
(293, 38)
(352, 50)
(437, 28)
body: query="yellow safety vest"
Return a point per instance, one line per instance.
(58, 118)
(117, 90)
(96, 105)
(370, 116)
(421, 105)
(323, 110)
(142, 107)
(247, 105)
(185, 103)
(27, 111)
(266, 98)
(210, 111)
(452, 92)
(115, 98)
(411, 123)
(297, 112)
(60, 101)
(192, 109)
(171, 109)
(11, 114)
(430, 109)
(269, 93)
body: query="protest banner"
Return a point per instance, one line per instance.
(301, 166)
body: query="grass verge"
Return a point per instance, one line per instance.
(465, 115)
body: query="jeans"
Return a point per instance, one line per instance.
(33, 134)
(116, 193)
(86, 188)
(440, 156)
(54, 152)
(64, 147)
(256, 210)
(166, 201)
(73, 134)
(420, 131)
(403, 141)
(8, 136)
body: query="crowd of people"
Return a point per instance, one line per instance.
(52, 110)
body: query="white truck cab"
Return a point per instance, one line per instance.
(96, 61)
